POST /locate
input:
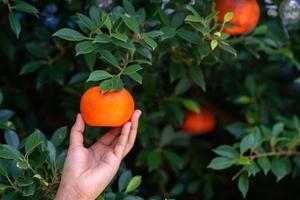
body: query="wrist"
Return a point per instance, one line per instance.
(70, 192)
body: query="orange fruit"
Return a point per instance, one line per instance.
(197, 123)
(111, 109)
(245, 15)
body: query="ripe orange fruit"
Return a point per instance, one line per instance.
(111, 109)
(201, 122)
(245, 15)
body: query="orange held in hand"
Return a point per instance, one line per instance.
(245, 15)
(197, 123)
(111, 109)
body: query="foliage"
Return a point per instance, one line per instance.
(173, 57)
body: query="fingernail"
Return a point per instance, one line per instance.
(139, 112)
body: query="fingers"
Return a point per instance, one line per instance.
(76, 135)
(120, 146)
(109, 137)
(133, 131)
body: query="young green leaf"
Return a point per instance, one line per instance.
(99, 75)
(228, 16)
(86, 21)
(133, 184)
(190, 105)
(69, 34)
(192, 18)
(214, 44)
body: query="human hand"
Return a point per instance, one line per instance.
(87, 171)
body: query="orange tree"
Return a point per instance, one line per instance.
(176, 58)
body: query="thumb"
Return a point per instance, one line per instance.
(76, 135)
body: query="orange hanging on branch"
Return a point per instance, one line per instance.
(245, 15)
(111, 109)
(197, 123)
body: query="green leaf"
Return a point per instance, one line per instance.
(24, 181)
(219, 163)
(32, 142)
(190, 105)
(69, 34)
(131, 23)
(3, 169)
(243, 184)
(214, 44)
(102, 38)
(12, 138)
(84, 47)
(94, 14)
(128, 7)
(153, 160)
(31, 67)
(226, 151)
(3, 187)
(183, 86)
(117, 83)
(59, 135)
(110, 58)
(149, 41)
(226, 47)
(198, 76)
(107, 22)
(9, 152)
(26, 7)
(136, 77)
(174, 159)
(265, 164)
(99, 75)
(281, 166)
(21, 164)
(132, 69)
(133, 184)
(189, 36)
(252, 168)
(52, 152)
(86, 21)
(120, 36)
(247, 143)
(124, 179)
(277, 129)
(244, 161)
(14, 24)
(106, 85)
(153, 34)
(193, 18)
(228, 16)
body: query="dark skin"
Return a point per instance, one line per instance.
(88, 171)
